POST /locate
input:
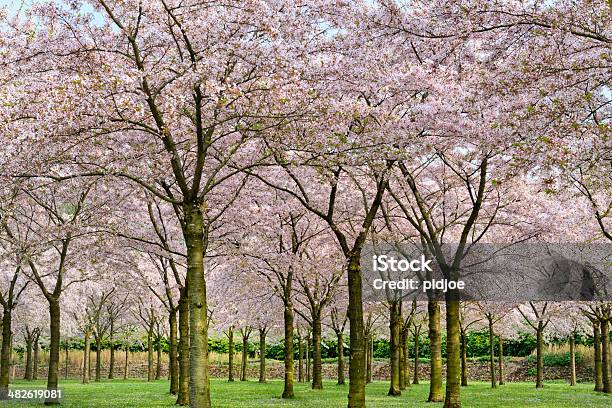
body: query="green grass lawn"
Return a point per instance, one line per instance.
(140, 394)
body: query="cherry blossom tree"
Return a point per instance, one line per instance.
(14, 283)
(284, 235)
(568, 325)
(418, 323)
(59, 223)
(31, 336)
(100, 322)
(319, 273)
(599, 315)
(469, 317)
(204, 148)
(338, 320)
(148, 314)
(115, 307)
(538, 315)
(494, 312)
(268, 310)
(205, 117)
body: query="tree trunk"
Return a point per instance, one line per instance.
(572, 342)
(415, 380)
(98, 359)
(464, 367)
(199, 381)
(540, 356)
(230, 336)
(12, 360)
(340, 351)
(245, 356)
(501, 360)
(28, 362)
(5, 356)
(369, 353)
(54, 346)
(125, 368)
(453, 353)
(402, 378)
(86, 359)
(173, 365)
(597, 347)
(404, 362)
(158, 359)
(36, 351)
(317, 376)
(356, 397)
(308, 358)
(300, 360)
(435, 343)
(150, 354)
(394, 344)
(183, 346)
(111, 368)
(66, 362)
(492, 355)
(605, 356)
(262, 355)
(288, 320)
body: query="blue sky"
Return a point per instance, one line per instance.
(14, 6)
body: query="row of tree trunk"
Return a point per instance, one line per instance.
(399, 356)
(307, 367)
(601, 344)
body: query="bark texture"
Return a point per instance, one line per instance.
(356, 397)
(54, 349)
(435, 343)
(173, 355)
(453, 359)
(492, 354)
(317, 375)
(394, 345)
(183, 391)
(86, 362)
(199, 382)
(540, 356)
(597, 350)
(605, 355)
(262, 355)
(340, 348)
